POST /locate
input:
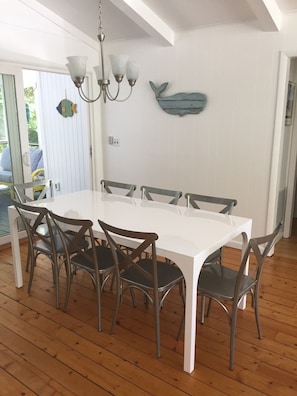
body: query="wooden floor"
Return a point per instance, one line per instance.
(45, 351)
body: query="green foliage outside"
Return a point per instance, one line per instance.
(31, 116)
(31, 119)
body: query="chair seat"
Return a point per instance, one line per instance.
(167, 274)
(219, 282)
(213, 257)
(104, 257)
(45, 248)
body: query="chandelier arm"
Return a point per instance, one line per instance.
(85, 98)
(123, 100)
(110, 96)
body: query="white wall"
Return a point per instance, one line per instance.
(225, 150)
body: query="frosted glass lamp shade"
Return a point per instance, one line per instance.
(132, 71)
(71, 72)
(77, 65)
(118, 64)
(99, 74)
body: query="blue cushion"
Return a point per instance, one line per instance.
(5, 159)
(35, 157)
(6, 176)
(40, 164)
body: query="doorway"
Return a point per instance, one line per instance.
(62, 138)
(284, 154)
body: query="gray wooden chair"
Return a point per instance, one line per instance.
(34, 218)
(151, 193)
(217, 204)
(223, 284)
(113, 187)
(31, 191)
(82, 253)
(36, 190)
(134, 271)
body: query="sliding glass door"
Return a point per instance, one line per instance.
(12, 120)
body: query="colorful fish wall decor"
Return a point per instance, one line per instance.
(180, 103)
(66, 108)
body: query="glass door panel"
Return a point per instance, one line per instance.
(11, 169)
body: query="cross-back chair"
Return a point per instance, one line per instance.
(82, 253)
(113, 187)
(35, 190)
(223, 284)
(31, 191)
(151, 193)
(136, 271)
(33, 218)
(217, 204)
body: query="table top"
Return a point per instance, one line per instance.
(182, 231)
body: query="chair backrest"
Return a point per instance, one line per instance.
(39, 189)
(113, 187)
(222, 205)
(34, 218)
(150, 193)
(260, 246)
(76, 235)
(123, 257)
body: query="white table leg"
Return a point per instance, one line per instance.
(15, 246)
(245, 240)
(191, 274)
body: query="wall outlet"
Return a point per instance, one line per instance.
(116, 142)
(110, 139)
(57, 186)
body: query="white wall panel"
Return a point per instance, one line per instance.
(65, 140)
(226, 149)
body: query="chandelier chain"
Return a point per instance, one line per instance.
(100, 28)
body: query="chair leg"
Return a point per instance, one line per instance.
(98, 291)
(68, 285)
(202, 309)
(157, 327)
(256, 308)
(232, 335)
(32, 267)
(182, 323)
(117, 305)
(208, 307)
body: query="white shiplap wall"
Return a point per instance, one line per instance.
(65, 140)
(226, 150)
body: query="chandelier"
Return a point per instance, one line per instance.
(120, 66)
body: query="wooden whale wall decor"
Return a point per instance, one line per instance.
(180, 103)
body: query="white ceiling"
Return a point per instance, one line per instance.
(118, 23)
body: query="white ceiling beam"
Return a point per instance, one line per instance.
(146, 19)
(268, 14)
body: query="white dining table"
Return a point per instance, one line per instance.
(186, 236)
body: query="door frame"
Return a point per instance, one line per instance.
(21, 136)
(276, 163)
